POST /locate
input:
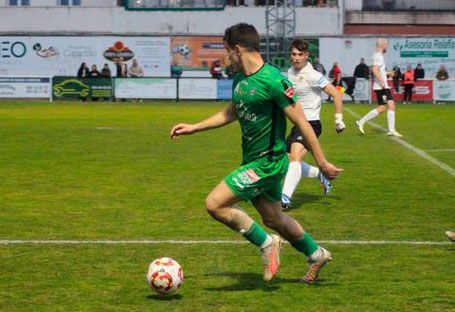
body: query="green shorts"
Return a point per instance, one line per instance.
(260, 176)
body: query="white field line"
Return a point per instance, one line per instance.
(409, 146)
(204, 242)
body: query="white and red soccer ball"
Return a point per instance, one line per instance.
(165, 275)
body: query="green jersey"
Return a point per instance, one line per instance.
(259, 100)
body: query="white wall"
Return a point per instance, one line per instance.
(401, 18)
(91, 21)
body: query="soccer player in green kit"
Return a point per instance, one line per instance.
(262, 98)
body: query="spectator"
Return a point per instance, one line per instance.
(176, 70)
(318, 66)
(122, 70)
(408, 82)
(106, 71)
(419, 72)
(350, 86)
(397, 76)
(362, 70)
(94, 73)
(442, 73)
(135, 70)
(335, 74)
(83, 71)
(215, 70)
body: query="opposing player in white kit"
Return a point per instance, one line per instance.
(308, 84)
(382, 90)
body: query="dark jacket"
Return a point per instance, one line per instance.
(419, 73)
(362, 71)
(105, 73)
(94, 74)
(83, 72)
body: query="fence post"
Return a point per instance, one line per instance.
(178, 91)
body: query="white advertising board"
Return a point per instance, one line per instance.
(205, 89)
(430, 52)
(444, 90)
(26, 87)
(145, 88)
(403, 51)
(62, 56)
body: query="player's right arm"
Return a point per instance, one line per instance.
(338, 106)
(377, 75)
(222, 118)
(375, 70)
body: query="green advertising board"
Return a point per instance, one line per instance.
(77, 88)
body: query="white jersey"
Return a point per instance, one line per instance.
(308, 84)
(378, 60)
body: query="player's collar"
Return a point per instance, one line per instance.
(252, 74)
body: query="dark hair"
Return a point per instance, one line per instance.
(244, 35)
(301, 45)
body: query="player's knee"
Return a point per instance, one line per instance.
(295, 157)
(211, 206)
(273, 222)
(381, 108)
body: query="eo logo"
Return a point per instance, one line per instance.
(12, 49)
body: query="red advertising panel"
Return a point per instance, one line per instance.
(422, 91)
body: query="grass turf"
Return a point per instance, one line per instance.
(109, 171)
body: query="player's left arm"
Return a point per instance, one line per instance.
(337, 105)
(295, 113)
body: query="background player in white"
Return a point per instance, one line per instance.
(382, 90)
(308, 84)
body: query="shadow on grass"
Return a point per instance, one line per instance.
(249, 281)
(165, 297)
(300, 199)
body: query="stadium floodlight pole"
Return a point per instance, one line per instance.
(280, 23)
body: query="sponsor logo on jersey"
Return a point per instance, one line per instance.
(289, 92)
(248, 177)
(253, 176)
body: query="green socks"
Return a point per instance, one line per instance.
(306, 244)
(256, 235)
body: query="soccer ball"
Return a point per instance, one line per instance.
(165, 275)
(182, 49)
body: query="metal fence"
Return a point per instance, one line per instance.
(60, 3)
(297, 3)
(154, 4)
(175, 4)
(400, 5)
(184, 4)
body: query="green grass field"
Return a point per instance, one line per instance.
(71, 171)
